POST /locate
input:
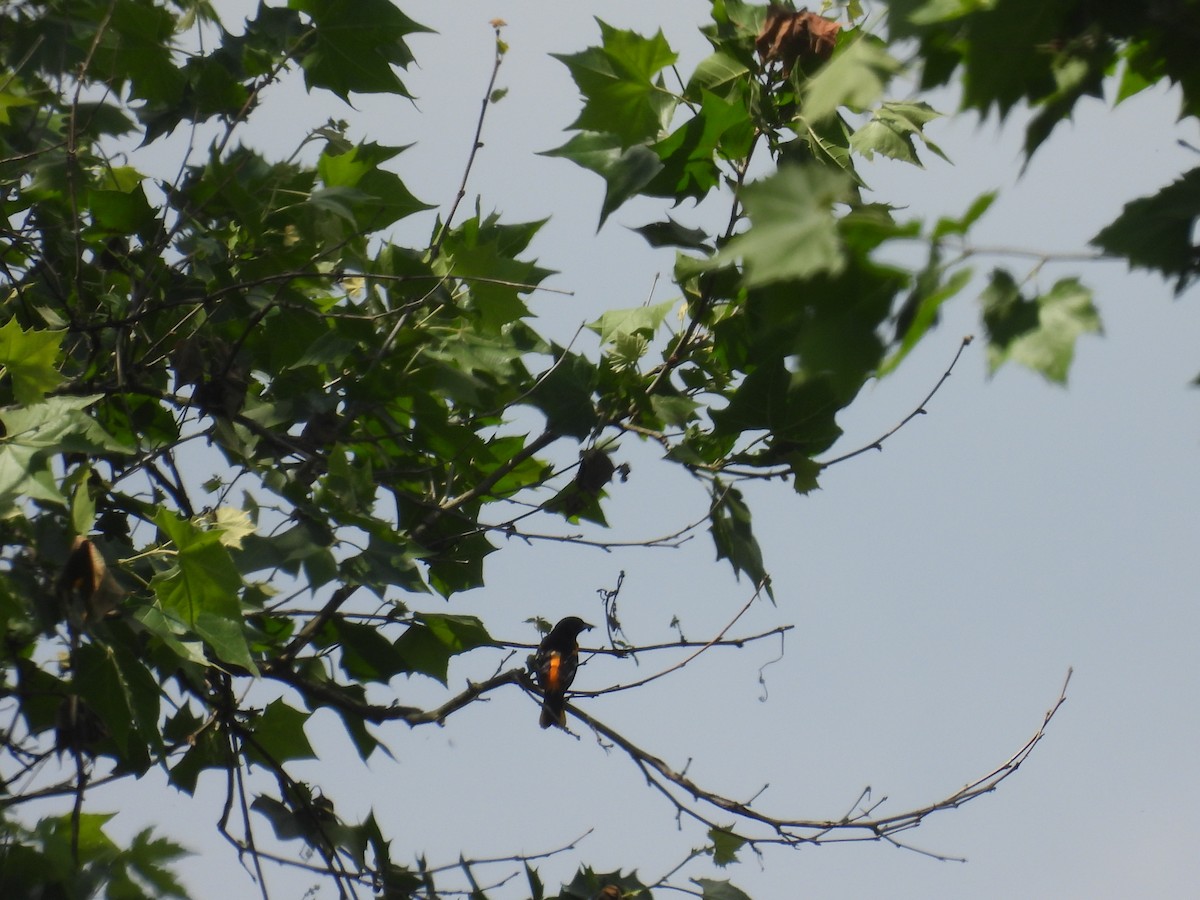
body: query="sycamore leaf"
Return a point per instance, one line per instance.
(485, 252)
(355, 45)
(733, 535)
(722, 73)
(30, 359)
(946, 226)
(892, 130)
(797, 410)
(621, 93)
(725, 846)
(827, 141)
(672, 234)
(12, 101)
(232, 525)
(1157, 232)
(357, 189)
(202, 588)
(924, 304)
(625, 170)
(793, 234)
(1038, 332)
(564, 394)
(426, 647)
(854, 78)
(643, 320)
(712, 889)
(145, 858)
(34, 435)
(690, 153)
(279, 734)
(590, 885)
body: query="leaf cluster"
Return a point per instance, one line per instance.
(245, 434)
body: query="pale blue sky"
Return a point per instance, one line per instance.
(939, 589)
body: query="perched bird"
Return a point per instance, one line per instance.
(554, 665)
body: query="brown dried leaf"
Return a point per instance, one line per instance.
(796, 37)
(87, 588)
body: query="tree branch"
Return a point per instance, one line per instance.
(854, 826)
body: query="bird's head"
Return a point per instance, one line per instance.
(571, 626)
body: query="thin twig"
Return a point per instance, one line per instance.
(862, 825)
(476, 144)
(877, 444)
(683, 662)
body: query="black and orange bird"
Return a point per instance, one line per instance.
(554, 665)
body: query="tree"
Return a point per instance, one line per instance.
(249, 436)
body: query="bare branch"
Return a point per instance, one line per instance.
(857, 825)
(877, 444)
(716, 641)
(476, 143)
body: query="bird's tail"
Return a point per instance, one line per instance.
(553, 713)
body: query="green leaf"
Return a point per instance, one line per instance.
(625, 170)
(805, 472)
(233, 525)
(617, 81)
(643, 320)
(1157, 232)
(793, 408)
(1075, 75)
(564, 395)
(1040, 332)
(279, 735)
(429, 643)
(366, 654)
(826, 141)
(677, 411)
(146, 857)
(586, 885)
(892, 130)
(537, 891)
(947, 226)
(626, 352)
(33, 435)
(733, 536)
(142, 690)
(304, 545)
(793, 234)
(925, 305)
(9, 102)
(359, 190)
(722, 74)
(1139, 71)
(355, 45)
(121, 212)
(671, 234)
(725, 846)
(827, 330)
(287, 824)
(208, 750)
(854, 78)
(719, 129)
(719, 890)
(173, 633)
(83, 507)
(139, 50)
(99, 683)
(484, 252)
(202, 588)
(30, 358)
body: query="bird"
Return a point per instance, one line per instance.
(554, 666)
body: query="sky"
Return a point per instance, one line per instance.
(939, 590)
